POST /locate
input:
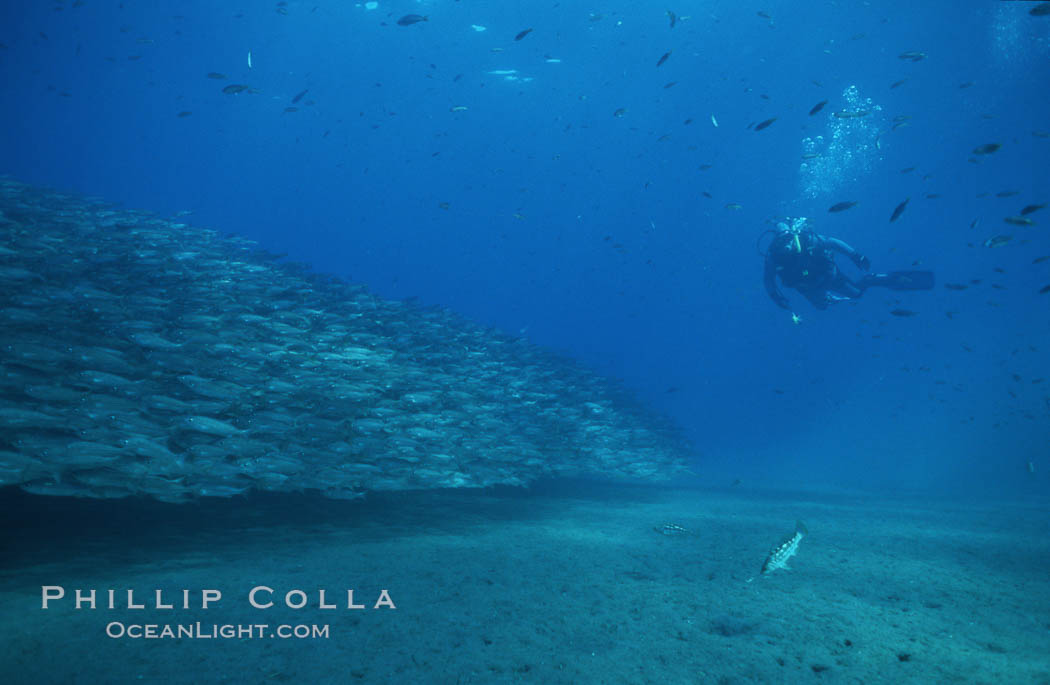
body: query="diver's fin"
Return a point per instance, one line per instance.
(902, 280)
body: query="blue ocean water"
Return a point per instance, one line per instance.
(568, 187)
(595, 178)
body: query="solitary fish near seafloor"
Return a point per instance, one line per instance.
(779, 555)
(671, 529)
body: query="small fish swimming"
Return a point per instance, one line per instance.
(986, 149)
(1019, 221)
(997, 241)
(522, 34)
(903, 312)
(842, 206)
(817, 107)
(671, 529)
(410, 19)
(663, 58)
(764, 124)
(913, 55)
(1040, 10)
(1031, 208)
(299, 96)
(899, 210)
(781, 552)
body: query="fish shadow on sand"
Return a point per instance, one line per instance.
(727, 625)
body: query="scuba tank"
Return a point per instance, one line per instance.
(792, 231)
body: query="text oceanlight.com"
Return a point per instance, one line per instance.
(213, 631)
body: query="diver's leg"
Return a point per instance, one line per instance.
(818, 298)
(871, 280)
(900, 280)
(844, 286)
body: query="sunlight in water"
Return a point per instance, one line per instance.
(1017, 37)
(850, 149)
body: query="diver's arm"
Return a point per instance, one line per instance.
(860, 260)
(838, 246)
(770, 280)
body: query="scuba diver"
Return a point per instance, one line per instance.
(805, 261)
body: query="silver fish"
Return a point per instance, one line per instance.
(146, 357)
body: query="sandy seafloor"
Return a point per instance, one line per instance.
(563, 583)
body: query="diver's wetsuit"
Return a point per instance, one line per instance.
(805, 261)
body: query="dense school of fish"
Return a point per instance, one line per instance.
(146, 357)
